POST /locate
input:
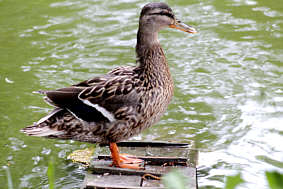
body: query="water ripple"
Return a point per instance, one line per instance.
(228, 80)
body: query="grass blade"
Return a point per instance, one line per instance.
(274, 179)
(50, 174)
(233, 181)
(9, 177)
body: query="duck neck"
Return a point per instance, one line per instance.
(150, 56)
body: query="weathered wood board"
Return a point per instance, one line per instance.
(159, 158)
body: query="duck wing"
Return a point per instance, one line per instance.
(97, 99)
(67, 98)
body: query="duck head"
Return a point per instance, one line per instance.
(156, 16)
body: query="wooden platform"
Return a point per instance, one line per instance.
(159, 158)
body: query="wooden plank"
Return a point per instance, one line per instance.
(130, 182)
(160, 169)
(123, 178)
(112, 181)
(122, 171)
(191, 174)
(159, 158)
(166, 161)
(156, 144)
(149, 183)
(176, 150)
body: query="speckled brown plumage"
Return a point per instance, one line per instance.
(122, 103)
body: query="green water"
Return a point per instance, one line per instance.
(228, 82)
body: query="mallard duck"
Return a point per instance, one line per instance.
(113, 107)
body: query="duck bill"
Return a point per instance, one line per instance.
(183, 27)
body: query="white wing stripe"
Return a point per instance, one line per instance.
(48, 116)
(102, 110)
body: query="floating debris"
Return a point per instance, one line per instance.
(82, 156)
(8, 80)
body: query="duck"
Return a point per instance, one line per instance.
(122, 103)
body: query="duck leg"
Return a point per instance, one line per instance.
(123, 160)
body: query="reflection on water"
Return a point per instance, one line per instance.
(228, 81)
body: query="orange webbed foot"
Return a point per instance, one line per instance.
(130, 159)
(124, 160)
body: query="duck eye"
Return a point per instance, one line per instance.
(170, 15)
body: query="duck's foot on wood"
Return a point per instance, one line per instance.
(130, 159)
(124, 160)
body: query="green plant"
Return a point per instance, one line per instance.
(175, 180)
(274, 179)
(233, 181)
(51, 173)
(9, 177)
